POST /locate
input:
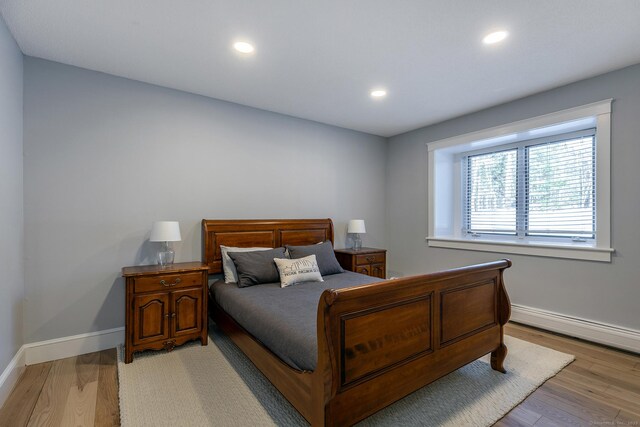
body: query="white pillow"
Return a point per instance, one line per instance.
(229, 268)
(298, 270)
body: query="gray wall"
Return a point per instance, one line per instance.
(106, 156)
(11, 218)
(605, 292)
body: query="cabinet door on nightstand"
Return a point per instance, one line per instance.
(150, 317)
(377, 270)
(188, 312)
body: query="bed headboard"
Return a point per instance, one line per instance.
(259, 233)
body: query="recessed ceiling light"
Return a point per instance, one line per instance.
(495, 37)
(243, 47)
(378, 93)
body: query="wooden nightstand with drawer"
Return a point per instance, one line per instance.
(166, 306)
(369, 261)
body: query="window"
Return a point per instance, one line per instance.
(543, 188)
(491, 190)
(537, 187)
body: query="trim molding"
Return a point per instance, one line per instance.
(444, 186)
(614, 336)
(75, 345)
(10, 375)
(545, 250)
(593, 109)
(59, 348)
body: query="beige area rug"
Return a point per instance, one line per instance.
(217, 385)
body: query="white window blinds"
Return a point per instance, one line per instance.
(560, 188)
(491, 192)
(543, 187)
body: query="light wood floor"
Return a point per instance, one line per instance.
(600, 388)
(77, 391)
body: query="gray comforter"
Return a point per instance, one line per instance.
(283, 319)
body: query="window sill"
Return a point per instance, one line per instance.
(588, 253)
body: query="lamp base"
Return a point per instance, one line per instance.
(166, 255)
(357, 242)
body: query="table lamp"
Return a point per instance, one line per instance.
(356, 227)
(165, 232)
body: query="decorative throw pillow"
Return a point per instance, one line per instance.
(257, 267)
(299, 270)
(229, 268)
(325, 256)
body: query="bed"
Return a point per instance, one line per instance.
(374, 343)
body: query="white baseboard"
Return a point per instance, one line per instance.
(614, 336)
(10, 375)
(75, 345)
(59, 348)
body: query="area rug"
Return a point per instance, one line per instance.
(217, 385)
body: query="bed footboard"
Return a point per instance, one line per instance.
(378, 343)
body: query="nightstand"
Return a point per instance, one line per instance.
(369, 261)
(166, 306)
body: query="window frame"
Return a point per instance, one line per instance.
(445, 184)
(522, 210)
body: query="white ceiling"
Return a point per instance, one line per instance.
(319, 59)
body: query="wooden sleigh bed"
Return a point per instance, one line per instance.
(376, 343)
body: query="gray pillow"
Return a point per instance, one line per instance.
(257, 267)
(325, 256)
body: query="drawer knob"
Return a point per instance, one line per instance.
(371, 258)
(164, 282)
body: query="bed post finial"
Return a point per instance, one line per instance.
(330, 296)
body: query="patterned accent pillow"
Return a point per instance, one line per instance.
(299, 270)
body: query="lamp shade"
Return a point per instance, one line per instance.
(356, 226)
(165, 231)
